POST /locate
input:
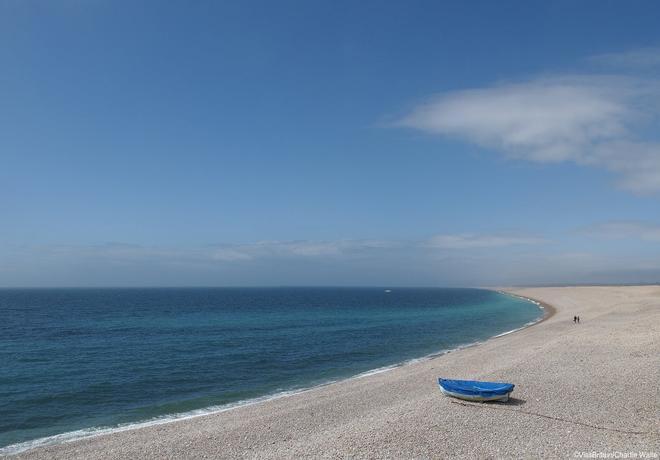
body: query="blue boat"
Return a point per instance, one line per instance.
(473, 390)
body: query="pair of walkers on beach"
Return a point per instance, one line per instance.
(576, 319)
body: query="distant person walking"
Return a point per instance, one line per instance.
(578, 318)
(575, 319)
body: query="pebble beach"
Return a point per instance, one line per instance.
(581, 390)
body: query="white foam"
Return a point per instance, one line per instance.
(87, 433)
(537, 303)
(526, 325)
(99, 431)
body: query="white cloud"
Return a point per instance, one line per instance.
(637, 163)
(128, 254)
(302, 248)
(638, 58)
(589, 120)
(456, 259)
(469, 241)
(229, 255)
(626, 230)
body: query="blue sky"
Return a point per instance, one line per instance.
(328, 143)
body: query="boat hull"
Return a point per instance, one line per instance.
(471, 390)
(477, 398)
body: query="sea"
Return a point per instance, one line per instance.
(79, 362)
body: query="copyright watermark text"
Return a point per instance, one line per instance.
(615, 454)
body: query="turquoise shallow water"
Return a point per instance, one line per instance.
(74, 359)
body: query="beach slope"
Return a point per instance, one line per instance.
(580, 389)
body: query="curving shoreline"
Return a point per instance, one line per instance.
(548, 309)
(92, 432)
(400, 413)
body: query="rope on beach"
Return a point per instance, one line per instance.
(487, 406)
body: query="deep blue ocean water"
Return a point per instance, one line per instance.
(73, 359)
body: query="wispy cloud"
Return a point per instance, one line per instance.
(354, 247)
(296, 249)
(632, 59)
(468, 241)
(591, 120)
(446, 259)
(542, 120)
(274, 250)
(625, 230)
